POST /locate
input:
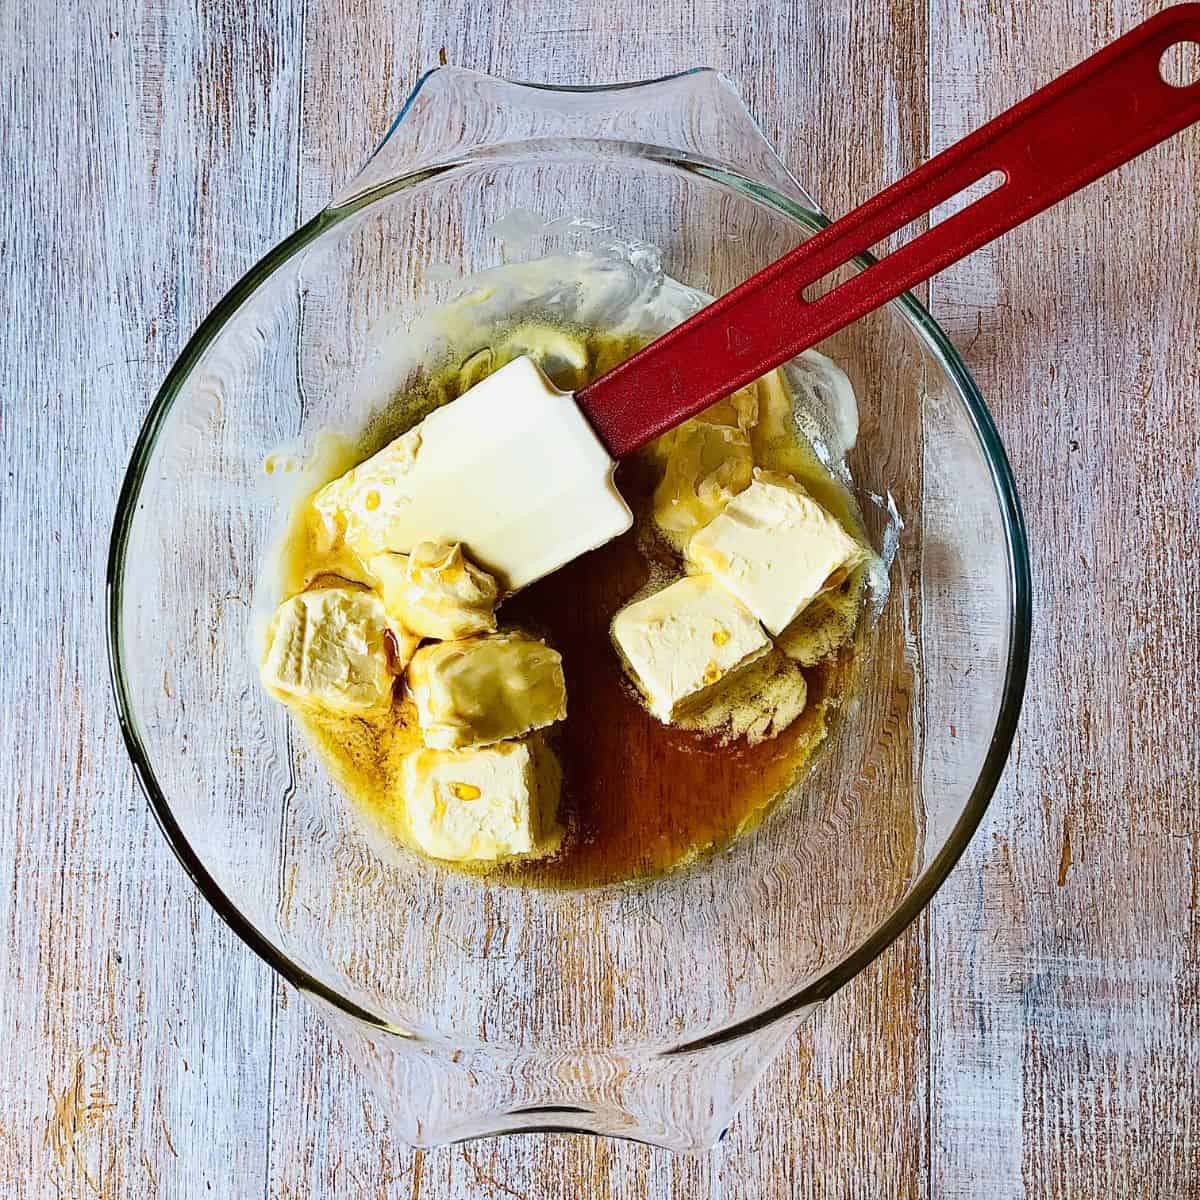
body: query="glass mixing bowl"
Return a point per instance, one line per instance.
(643, 1010)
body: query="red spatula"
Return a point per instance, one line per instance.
(1104, 112)
(513, 469)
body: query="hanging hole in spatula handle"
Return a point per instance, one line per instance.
(1100, 114)
(1180, 64)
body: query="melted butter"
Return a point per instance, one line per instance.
(364, 757)
(779, 446)
(640, 798)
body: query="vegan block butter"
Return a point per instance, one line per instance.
(483, 804)
(328, 649)
(436, 591)
(486, 689)
(684, 640)
(775, 548)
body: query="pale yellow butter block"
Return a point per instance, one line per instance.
(328, 649)
(436, 592)
(775, 548)
(759, 702)
(486, 689)
(684, 640)
(483, 804)
(738, 410)
(706, 466)
(362, 506)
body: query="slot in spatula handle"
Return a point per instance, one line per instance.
(1100, 114)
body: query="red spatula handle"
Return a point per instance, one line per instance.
(1097, 116)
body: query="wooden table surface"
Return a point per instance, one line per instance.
(1037, 1033)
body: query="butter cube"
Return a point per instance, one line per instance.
(483, 804)
(776, 549)
(362, 506)
(738, 410)
(486, 689)
(328, 649)
(436, 592)
(706, 466)
(684, 640)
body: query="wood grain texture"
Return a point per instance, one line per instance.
(138, 1065)
(1037, 1034)
(1065, 979)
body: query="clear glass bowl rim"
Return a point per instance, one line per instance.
(937, 343)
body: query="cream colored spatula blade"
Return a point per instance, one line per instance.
(511, 469)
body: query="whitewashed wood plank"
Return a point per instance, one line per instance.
(141, 172)
(1065, 1026)
(1066, 1035)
